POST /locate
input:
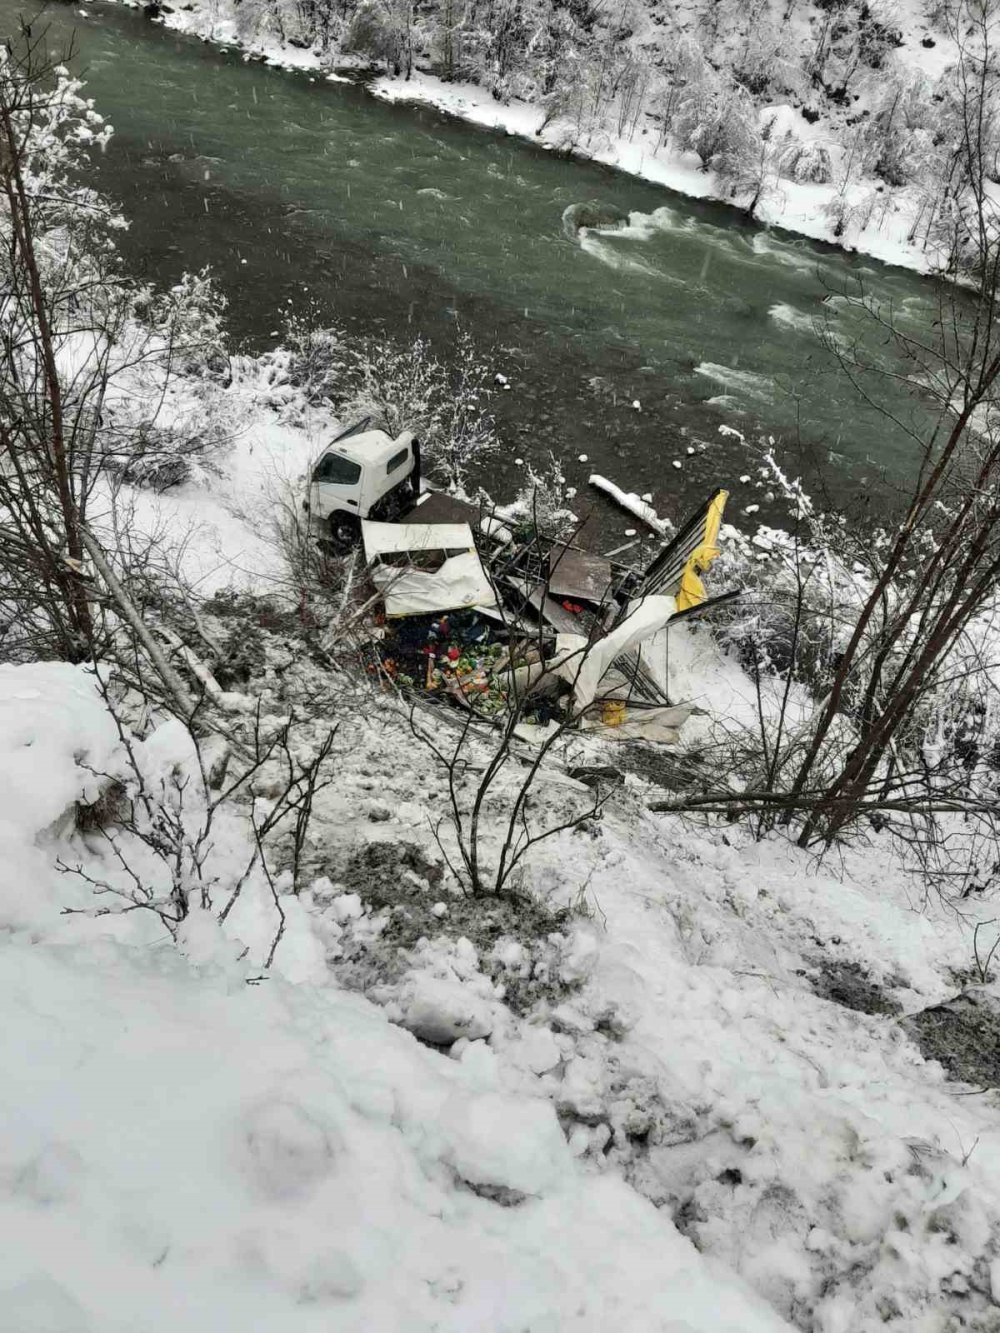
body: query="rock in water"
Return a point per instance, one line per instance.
(592, 214)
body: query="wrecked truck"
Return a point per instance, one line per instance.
(363, 473)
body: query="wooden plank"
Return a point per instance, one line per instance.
(578, 575)
(549, 610)
(441, 508)
(561, 620)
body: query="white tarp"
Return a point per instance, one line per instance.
(646, 724)
(458, 581)
(584, 668)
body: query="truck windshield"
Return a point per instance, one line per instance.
(339, 470)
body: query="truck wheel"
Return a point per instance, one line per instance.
(344, 532)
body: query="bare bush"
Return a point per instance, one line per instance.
(445, 403)
(163, 836)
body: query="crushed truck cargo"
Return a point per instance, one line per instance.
(426, 567)
(506, 622)
(514, 626)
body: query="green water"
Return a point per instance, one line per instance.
(307, 194)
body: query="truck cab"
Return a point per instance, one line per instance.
(362, 473)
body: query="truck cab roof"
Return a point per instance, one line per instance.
(365, 444)
(371, 446)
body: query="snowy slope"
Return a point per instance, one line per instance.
(687, 1103)
(181, 1148)
(189, 1141)
(806, 1145)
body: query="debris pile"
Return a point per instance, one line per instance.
(509, 623)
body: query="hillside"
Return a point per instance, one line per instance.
(670, 1085)
(533, 958)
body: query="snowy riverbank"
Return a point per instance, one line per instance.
(791, 205)
(876, 219)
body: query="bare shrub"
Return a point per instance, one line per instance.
(160, 823)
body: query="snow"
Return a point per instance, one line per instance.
(792, 1110)
(632, 504)
(222, 521)
(657, 1116)
(179, 1148)
(52, 723)
(652, 1113)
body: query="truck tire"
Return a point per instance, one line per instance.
(345, 532)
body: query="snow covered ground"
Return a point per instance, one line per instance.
(670, 1090)
(658, 1114)
(181, 1148)
(222, 522)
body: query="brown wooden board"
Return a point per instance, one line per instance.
(578, 575)
(561, 620)
(441, 508)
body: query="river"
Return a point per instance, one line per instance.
(311, 196)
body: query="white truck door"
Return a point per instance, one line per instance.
(336, 485)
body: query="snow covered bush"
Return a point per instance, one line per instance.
(165, 418)
(899, 138)
(90, 363)
(199, 823)
(806, 162)
(311, 360)
(383, 31)
(188, 322)
(543, 501)
(444, 401)
(818, 620)
(159, 455)
(715, 118)
(442, 394)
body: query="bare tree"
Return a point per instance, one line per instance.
(904, 640)
(70, 324)
(494, 755)
(43, 487)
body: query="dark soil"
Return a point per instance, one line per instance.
(377, 872)
(963, 1035)
(847, 984)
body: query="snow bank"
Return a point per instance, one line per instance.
(181, 1150)
(708, 1053)
(805, 1145)
(57, 741)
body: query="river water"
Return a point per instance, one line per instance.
(303, 194)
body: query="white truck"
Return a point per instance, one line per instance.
(362, 473)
